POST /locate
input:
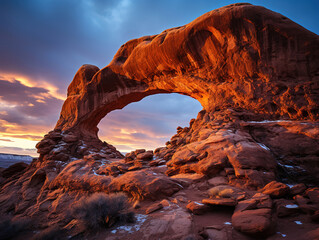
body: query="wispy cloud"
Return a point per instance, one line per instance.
(148, 123)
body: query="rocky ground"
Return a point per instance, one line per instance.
(220, 178)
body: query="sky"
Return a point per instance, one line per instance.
(44, 42)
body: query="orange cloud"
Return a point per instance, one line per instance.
(26, 81)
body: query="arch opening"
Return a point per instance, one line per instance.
(148, 123)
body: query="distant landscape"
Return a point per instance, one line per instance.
(8, 159)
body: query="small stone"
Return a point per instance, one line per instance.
(197, 208)
(153, 208)
(165, 203)
(298, 189)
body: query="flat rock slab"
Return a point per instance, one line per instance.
(191, 177)
(220, 201)
(197, 208)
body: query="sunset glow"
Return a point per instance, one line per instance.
(40, 55)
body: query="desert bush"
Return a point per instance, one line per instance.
(51, 233)
(221, 191)
(102, 210)
(10, 229)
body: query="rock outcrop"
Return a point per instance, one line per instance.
(256, 74)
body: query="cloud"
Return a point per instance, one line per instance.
(148, 123)
(25, 105)
(26, 114)
(18, 150)
(5, 140)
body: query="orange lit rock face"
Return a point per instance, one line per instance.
(239, 56)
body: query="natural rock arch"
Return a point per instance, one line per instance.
(240, 56)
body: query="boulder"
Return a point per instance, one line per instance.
(145, 155)
(254, 216)
(286, 208)
(276, 189)
(255, 222)
(298, 189)
(167, 225)
(14, 169)
(144, 184)
(313, 194)
(153, 208)
(197, 208)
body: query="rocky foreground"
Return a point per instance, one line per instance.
(246, 168)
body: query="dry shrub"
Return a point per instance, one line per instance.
(101, 210)
(51, 233)
(10, 229)
(221, 191)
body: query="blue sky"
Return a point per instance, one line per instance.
(44, 42)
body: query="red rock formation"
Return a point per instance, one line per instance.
(239, 56)
(246, 65)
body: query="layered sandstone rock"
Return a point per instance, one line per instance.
(256, 75)
(239, 56)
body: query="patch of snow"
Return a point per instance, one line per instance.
(59, 148)
(199, 203)
(60, 162)
(125, 228)
(180, 185)
(286, 166)
(282, 234)
(114, 231)
(291, 185)
(140, 219)
(162, 166)
(154, 173)
(269, 121)
(291, 206)
(263, 146)
(227, 223)
(298, 222)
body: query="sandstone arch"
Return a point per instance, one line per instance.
(240, 56)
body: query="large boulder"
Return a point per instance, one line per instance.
(254, 216)
(144, 184)
(276, 189)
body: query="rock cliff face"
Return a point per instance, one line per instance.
(239, 56)
(256, 74)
